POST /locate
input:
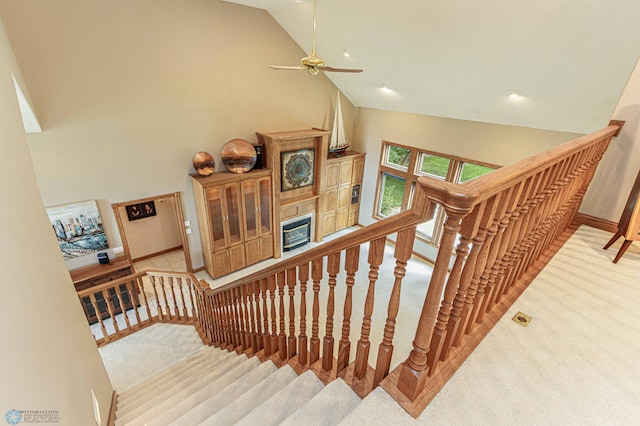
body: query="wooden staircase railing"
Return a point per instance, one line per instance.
(153, 296)
(500, 229)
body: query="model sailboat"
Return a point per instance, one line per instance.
(339, 143)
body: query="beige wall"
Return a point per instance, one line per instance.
(154, 233)
(127, 92)
(49, 358)
(621, 163)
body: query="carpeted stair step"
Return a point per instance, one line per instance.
(332, 404)
(284, 402)
(220, 384)
(377, 409)
(196, 378)
(173, 369)
(237, 408)
(172, 378)
(213, 397)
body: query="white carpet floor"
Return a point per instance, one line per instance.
(576, 363)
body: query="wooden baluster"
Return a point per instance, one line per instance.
(266, 338)
(333, 267)
(291, 343)
(166, 299)
(107, 299)
(133, 296)
(94, 303)
(470, 227)
(303, 276)
(494, 244)
(414, 371)
(225, 335)
(496, 276)
(140, 285)
(238, 334)
(437, 349)
(518, 222)
(314, 343)
(208, 312)
(521, 239)
(501, 240)
(214, 300)
(344, 345)
(282, 337)
(118, 291)
(228, 320)
(256, 337)
(251, 323)
(533, 223)
(181, 288)
(376, 254)
(154, 282)
(191, 289)
(172, 286)
(243, 319)
(274, 318)
(402, 254)
(480, 246)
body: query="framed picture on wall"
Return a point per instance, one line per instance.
(297, 168)
(78, 228)
(140, 210)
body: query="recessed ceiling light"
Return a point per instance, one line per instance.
(385, 89)
(515, 94)
(345, 53)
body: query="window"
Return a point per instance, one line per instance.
(399, 170)
(392, 194)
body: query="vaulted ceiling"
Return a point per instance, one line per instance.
(570, 59)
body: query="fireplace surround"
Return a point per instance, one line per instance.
(296, 233)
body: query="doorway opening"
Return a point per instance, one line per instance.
(152, 227)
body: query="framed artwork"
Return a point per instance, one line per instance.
(140, 210)
(297, 168)
(78, 228)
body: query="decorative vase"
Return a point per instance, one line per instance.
(238, 155)
(204, 163)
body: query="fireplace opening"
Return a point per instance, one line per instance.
(296, 234)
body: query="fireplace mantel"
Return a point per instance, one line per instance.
(297, 150)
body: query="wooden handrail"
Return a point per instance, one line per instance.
(498, 227)
(421, 212)
(499, 231)
(141, 299)
(474, 191)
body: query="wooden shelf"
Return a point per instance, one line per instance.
(98, 270)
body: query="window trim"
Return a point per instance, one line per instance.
(411, 176)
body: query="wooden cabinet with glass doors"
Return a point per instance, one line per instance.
(235, 214)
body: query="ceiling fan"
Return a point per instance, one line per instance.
(313, 63)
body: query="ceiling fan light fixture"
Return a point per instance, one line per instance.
(313, 63)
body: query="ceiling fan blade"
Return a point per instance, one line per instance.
(331, 69)
(287, 67)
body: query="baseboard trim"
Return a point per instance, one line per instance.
(596, 222)
(158, 253)
(111, 421)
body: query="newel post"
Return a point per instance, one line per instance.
(415, 370)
